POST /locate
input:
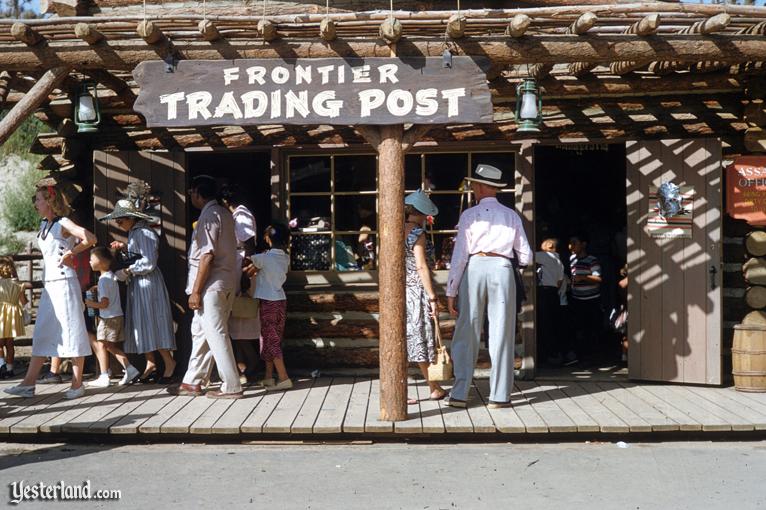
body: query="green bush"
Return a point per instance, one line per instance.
(21, 140)
(16, 206)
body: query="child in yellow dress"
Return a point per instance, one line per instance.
(11, 316)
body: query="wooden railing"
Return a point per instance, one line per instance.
(30, 270)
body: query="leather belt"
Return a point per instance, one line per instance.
(489, 254)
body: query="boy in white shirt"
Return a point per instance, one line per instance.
(272, 267)
(110, 321)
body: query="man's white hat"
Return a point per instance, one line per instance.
(488, 174)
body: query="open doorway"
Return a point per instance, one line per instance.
(249, 172)
(580, 203)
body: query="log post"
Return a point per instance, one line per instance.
(149, 32)
(518, 25)
(393, 349)
(456, 26)
(29, 103)
(208, 30)
(267, 29)
(88, 33)
(327, 30)
(390, 30)
(26, 34)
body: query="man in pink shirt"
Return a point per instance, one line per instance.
(481, 280)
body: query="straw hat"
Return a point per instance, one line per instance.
(420, 201)
(488, 174)
(125, 209)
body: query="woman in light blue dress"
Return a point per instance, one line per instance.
(148, 319)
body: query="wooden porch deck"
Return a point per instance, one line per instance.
(349, 407)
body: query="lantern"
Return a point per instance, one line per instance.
(86, 114)
(529, 107)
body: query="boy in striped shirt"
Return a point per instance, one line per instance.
(585, 302)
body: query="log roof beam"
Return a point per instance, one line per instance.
(26, 34)
(647, 26)
(592, 48)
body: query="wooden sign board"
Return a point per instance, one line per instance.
(746, 189)
(372, 91)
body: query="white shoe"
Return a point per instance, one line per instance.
(131, 374)
(266, 383)
(21, 391)
(101, 381)
(72, 393)
(283, 385)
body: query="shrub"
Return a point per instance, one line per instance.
(18, 212)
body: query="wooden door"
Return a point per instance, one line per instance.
(165, 172)
(674, 292)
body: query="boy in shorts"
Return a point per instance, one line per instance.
(109, 324)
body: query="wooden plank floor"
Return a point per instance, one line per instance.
(350, 406)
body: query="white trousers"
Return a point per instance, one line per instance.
(210, 343)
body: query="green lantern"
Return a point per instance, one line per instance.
(529, 107)
(86, 114)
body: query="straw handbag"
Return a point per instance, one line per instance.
(244, 307)
(441, 368)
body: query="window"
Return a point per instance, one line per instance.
(333, 203)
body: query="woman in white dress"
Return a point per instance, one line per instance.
(60, 325)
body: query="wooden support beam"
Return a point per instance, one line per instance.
(150, 32)
(518, 25)
(714, 24)
(327, 30)
(26, 34)
(110, 81)
(755, 139)
(584, 23)
(267, 29)
(34, 98)
(393, 331)
(5, 87)
(594, 48)
(647, 26)
(391, 30)
(208, 30)
(456, 26)
(88, 33)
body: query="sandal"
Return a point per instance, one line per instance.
(439, 396)
(412, 401)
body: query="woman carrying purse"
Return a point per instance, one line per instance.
(422, 303)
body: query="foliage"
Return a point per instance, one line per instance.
(16, 208)
(10, 244)
(21, 140)
(17, 9)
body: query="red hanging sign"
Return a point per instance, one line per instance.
(746, 189)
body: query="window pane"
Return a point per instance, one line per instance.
(412, 178)
(309, 174)
(445, 171)
(355, 212)
(355, 252)
(355, 173)
(505, 161)
(449, 211)
(310, 252)
(310, 213)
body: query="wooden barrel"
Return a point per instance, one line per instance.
(748, 356)
(755, 243)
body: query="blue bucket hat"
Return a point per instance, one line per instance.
(420, 201)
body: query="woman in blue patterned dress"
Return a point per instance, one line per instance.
(422, 303)
(148, 319)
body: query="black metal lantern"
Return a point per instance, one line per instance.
(86, 114)
(529, 107)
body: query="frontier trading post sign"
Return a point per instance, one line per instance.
(373, 91)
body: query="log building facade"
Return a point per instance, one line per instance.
(634, 95)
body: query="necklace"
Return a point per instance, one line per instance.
(46, 227)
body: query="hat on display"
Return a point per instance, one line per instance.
(125, 209)
(488, 174)
(420, 201)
